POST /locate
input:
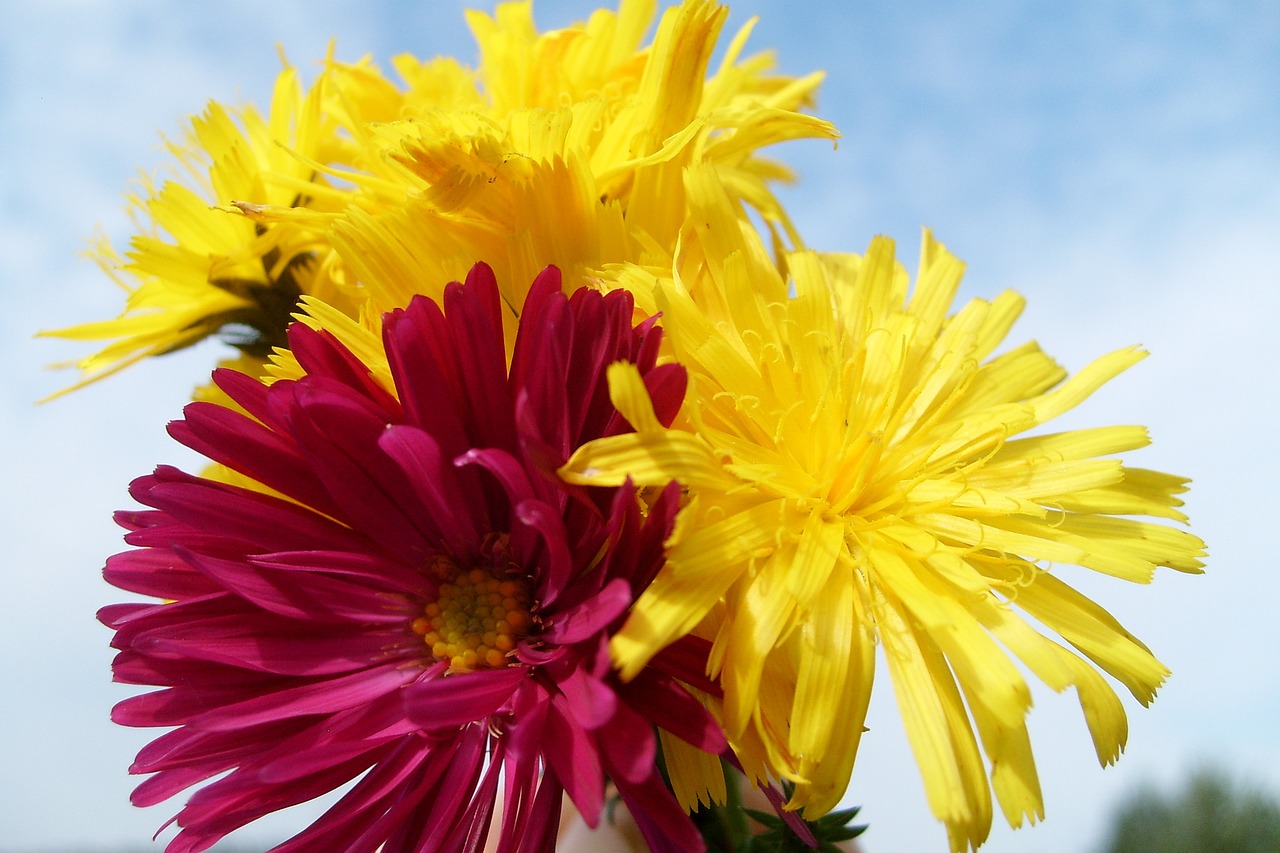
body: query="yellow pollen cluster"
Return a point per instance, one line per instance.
(476, 620)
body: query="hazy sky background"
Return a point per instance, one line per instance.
(1117, 163)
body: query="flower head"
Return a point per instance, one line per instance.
(862, 470)
(195, 269)
(563, 147)
(408, 596)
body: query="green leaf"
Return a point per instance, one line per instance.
(829, 830)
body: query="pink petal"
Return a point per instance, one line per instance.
(448, 497)
(335, 740)
(665, 704)
(592, 616)
(557, 568)
(320, 697)
(686, 660)
(630, 747)
(248, 392)
(309, 596)
(591, 702)
(260, 521)
(157, 572)
(244, 445)
(522, 741)
(369, 568)
(421, 363)
(442, 812)
(461, 698)
(360, 820)
(240, 798)
(174, 705)
(340, 438)
(667, 384)
(131, 667)
(166, 783)
(473, 829)
(320, 354)
(664, 825)
(129, 620)
(363, 819)
(505, 467)
(543, 322)
(540, 364)
(186, 747)
(543, 825)
(472, 311)
(259, 644)
(571, 751)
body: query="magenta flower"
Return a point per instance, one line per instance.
(429, 611)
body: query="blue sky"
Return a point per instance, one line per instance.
(1117, 163)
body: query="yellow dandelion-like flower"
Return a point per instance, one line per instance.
(195, 268)
(565, 147)
(861, 469)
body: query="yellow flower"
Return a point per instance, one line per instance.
(861, 470)
(564, 148)
(196, 269)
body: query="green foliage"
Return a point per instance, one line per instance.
(829, 831)
(1212, 814)
(725, 828)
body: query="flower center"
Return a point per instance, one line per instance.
(477, 618)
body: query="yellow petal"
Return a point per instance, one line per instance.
(699, 569)
(629, 396)
(1095, 632)
(937, 727)
(697, 777)
(648, 459)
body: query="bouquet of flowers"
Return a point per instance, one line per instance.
(556, 473)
